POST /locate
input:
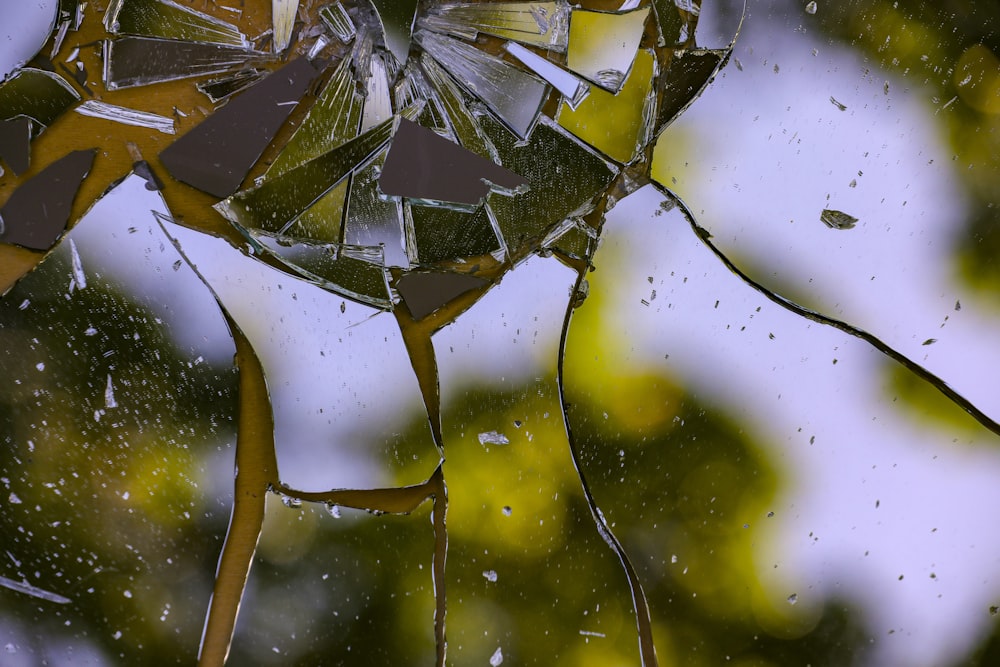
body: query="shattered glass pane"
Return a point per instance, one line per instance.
(169, 20)
(142, 61)
(603, 45)
(542, 24)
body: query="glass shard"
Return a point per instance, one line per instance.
(338, 22)
(573, 89)
(372, 219)
(283, 19)
(445, 234)
(423, 292)
(462, 122)
(24, 29)
(126, 116)
(216, 155)
(574, 238)
(602, 45)
(835, 219)
(37, 212)
(15, 143)
(423, 165)
(541, 24)
(526, 218)
(223, 87)
(275, 203)
(40, 95)
(686, 77)
(515, 96)
(378, 101)
(335, 369)
(168, 20)
(332, 120)
(142, 61)
(397, 17)
(620, 125)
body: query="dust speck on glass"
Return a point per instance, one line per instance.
(409, 332)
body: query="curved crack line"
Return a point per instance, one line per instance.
(647, 650)
(938, 383)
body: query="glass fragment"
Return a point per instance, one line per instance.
(216, 155)
(372, 219)
(526, 218)
(24, 29)
(446, 234)
(396, 17)
(223, 87)
(338, 22)
(15, 143)
(688, 74)
(40, 95)
(283, 19)
(573, 89)
(378, 101)
(603, 45)
(423, 292)
(515, 96)
(70, 18)
(461, 120)
(423, 165)
(835, 219)
(36, 214)
(168, 20)
(142, 61)
(618, 125)
(126, 116)
(541, 24)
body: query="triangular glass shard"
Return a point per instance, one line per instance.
(574, 90)
(222, 87)
(423, 165)
(39, 95)
(541, 24)
(423, 292)
(525, 219)
(142, 61)
(70, 18)
(574, 238)
(15, 143)
(621, 125)
(36, 214)
(463, 123)
(445, 234)
(283, 19)
(323, 221)
(397, 18)
(332, 120)
(413, 88)
(684, 80)
(274, 204)
(356, 272)
(378, 101)
(373, 220)
(169, 20)
(338, 22)
(515, 96)
(216, 155)
(602, 45)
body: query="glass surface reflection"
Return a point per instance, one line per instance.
(777, 394)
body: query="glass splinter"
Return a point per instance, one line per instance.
(423, 165)
(572, 88)
(276, 202)
(687, 75)
(463, 123)
(373, 220)
(541, 24)
(397, 18)
(217, 155)
(602, 45)
(169, 20)
(126, 116)
(15, 143)
(283, 18)
(141, 61)
(222, 87)
(445, 234)
(515, 96)
(378, 101)
(617, 125)
(423, 292)
(36, 214)
(338, 22)
(40, 95)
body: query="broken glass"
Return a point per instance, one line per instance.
(283, 17)
(142, 61)
(23, 31)
(602, 45)
(169, 20)
(338, 22)
(541, 24)
(223, 87)
(126, 116)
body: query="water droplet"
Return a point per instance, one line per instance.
(793, 598)
(490, 575)
(497, 658)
